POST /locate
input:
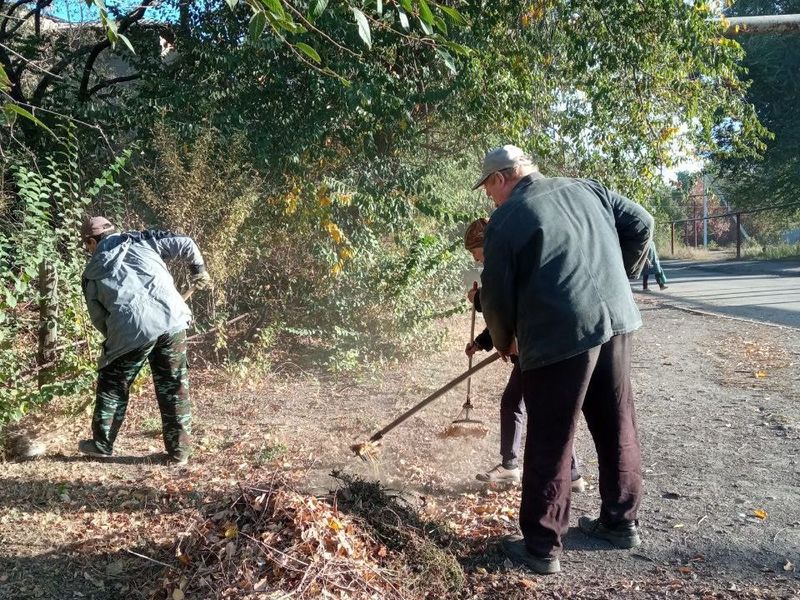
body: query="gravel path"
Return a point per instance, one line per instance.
(719, 422)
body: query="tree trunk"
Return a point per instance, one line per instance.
(48, 320)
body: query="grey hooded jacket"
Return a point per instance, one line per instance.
(130, 293)
(557, 256)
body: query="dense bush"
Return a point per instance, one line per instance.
(361, 276)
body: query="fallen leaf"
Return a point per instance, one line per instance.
(527, 583)
(231, 531)
(684, 570)
(261, 585)
(760, 513)
(678, 526)
(335, 524)
(177, 594)
(760, 374)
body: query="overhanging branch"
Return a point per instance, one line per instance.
(109, 82)
(128, 20)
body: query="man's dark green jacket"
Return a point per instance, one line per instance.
(558, 254)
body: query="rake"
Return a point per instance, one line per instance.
(464, 417)
(368, 450)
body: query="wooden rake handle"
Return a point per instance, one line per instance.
(442, 390)
(471, 341)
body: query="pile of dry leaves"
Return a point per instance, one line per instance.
(271, 539)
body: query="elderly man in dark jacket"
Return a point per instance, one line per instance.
(133, 302)
(558, 253)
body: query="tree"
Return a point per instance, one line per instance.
(772, 63)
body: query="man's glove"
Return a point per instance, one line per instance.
(200, 281)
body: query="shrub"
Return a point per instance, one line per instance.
(347, 267)
(40, 225)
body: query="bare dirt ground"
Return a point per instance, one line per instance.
(720, 428)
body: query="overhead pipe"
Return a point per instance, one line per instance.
(763, 25)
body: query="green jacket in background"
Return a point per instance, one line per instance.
(557, 257)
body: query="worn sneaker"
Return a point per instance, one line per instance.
(89, 448)
(501, 475)
(579, 485)
(514, 548)
(178, 459)
(624, 535)
(663, 287)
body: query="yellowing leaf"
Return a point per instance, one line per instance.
(334, 231)
(760, 513)
(760, 374)
(177, 594)
(335, 524)
(231, 531)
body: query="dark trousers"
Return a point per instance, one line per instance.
(596, 382)
(512, 414)
(167, 357)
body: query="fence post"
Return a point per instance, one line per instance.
(48, 319)
(738, 235)
(672, 239)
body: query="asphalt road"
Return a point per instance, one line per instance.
(766, 291)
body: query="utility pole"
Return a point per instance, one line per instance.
(705, 212)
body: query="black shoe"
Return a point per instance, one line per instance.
(663, 287)
(624, 535)
(89, 448)
(514, 548)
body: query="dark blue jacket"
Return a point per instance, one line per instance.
(558, 254)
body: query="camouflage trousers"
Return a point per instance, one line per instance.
(167, 358)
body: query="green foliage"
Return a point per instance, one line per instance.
(772, 63)
(321, 153)
(771, 251)
(40, 224)
(356, 275)
(342, 205)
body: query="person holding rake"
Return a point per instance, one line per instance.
(512, 406)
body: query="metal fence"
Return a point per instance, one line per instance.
(736, 215)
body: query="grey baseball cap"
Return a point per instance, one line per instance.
(501, 158)
(92, 226)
